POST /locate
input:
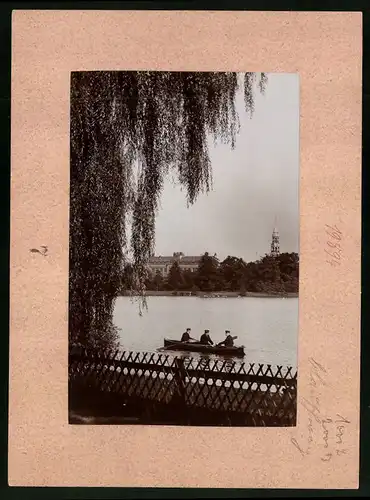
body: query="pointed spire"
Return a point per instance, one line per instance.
(275, 225)
(275, 242)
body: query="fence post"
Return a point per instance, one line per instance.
(180, 375)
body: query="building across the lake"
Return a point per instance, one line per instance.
(163, 265)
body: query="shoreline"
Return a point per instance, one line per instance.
(212, 295)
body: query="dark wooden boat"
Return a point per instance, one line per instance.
(177, 345)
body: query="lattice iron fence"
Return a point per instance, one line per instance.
(265, 395)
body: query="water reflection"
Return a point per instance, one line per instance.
(212, 363)
(204, 361)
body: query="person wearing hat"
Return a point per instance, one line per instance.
(186, 336)
(229, 340)
(206, 339)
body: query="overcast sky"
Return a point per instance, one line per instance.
(253, 185)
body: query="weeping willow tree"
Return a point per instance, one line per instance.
(128, 130)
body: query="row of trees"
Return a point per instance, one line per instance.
(267, 275)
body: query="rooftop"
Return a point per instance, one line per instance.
(184, 259)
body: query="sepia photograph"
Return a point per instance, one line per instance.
(183, 248)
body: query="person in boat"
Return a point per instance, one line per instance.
(186, 336)
(229, 340)
(205, 338)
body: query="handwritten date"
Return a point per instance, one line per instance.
(325, 435)
(333, 247)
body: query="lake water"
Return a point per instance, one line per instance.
(267, 327)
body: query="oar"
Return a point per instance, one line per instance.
(167, 347)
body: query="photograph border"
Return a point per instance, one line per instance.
(264, 239)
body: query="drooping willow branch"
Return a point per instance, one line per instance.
(160, 121)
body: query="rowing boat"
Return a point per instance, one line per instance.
(177, 345)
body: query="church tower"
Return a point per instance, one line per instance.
(275, 243)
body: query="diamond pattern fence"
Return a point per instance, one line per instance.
(266, 394)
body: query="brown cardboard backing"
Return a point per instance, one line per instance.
(325, 49)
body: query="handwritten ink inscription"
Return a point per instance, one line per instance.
(43, 251)
(333, 247)
(326, 435)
